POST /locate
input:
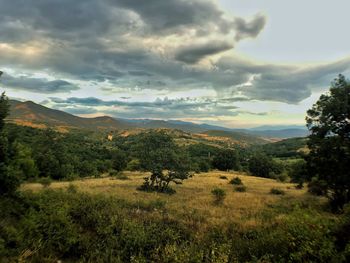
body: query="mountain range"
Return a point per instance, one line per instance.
(32, 114)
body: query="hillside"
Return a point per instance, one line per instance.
(238, 136)
(34, 115)
(31, 114)
(293, 147)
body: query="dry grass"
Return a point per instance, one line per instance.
(194, 195)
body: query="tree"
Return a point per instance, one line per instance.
(226, 160)
(159, 155)
(8, 181)
(22, 162)
(260, 165)
(329, 142)
(119, 160)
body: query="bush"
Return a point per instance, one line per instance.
(219, 195)
(72, 189)
(133, 165)
(283, 177)
(236, 181)
(45, 181)
(147, 187)
(299, 186)
(276, 191)
(223, 177)
(317, 187)
(241, 188)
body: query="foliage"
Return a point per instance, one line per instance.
(9, 180)
(53, 226)
(288, 148)
(223, 177)
(298, 172)
(119, 160)
(159, 155)
(133, 165)
(226, 159)
(45, 181)
(219, 195)
(241, 188)
(276, 191)
(329, 142)
(236, 181)
(317, 187)
(263, 166)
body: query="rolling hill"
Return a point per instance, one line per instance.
(31, 114)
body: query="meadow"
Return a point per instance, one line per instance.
(243, 208)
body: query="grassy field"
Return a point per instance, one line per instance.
(108, 220)
(194, 195)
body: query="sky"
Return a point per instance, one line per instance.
(235, 63)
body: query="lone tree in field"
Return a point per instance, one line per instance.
(329, 160)
(159, 155)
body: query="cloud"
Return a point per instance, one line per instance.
(249, 29)
(159, 108)
(283, 83)
(128, 45)
(38, 85)
(194, 53)
(164, 17)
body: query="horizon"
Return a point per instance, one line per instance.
(239, 64)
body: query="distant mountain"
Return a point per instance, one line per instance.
(31, 114)
(277, 127)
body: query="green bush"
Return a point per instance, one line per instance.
(283, 177)
(219, 195)
(276, 191)
(241, 188)
(317, 187)
(133, 165)
(236, 181)
(223, 177)
(45, 181)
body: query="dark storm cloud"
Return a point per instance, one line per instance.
(194, 53)
(249, 29)
(101, 41)
(38, 85)
(164, 16)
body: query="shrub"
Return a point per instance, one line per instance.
(299, 186)
(236, 181)
(133, 165)
(45, 181)
(72, 189)
(241, 188)
(283, 177)
(223, 177)
(276, 191)
(317, 187)
(219, 195)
